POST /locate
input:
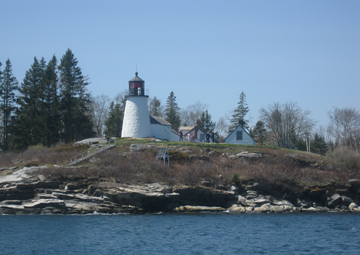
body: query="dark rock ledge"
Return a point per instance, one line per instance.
(25, 192)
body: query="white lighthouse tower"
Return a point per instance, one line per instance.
(136, 122)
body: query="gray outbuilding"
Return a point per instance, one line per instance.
(240, 136)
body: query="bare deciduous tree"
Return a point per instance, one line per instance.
(344, 127)
(190, 114)
(287, 122)
(222, 126)
(121, 98)
(99, 108)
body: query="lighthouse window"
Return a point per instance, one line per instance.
(136, 85)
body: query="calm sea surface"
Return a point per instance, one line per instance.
(322, 233)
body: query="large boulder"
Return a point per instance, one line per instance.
(20, 175)
(264, 208)
(251, 194)
(137, 147)
(256, 202)
(346, 200)
(355, 185)
(242, 200)
(191, 208)
(8, 168)
(311, 209)
(237, 209)
(334, 200)
(90, 141)
(246, 154)
(277, 208)
(353, 206)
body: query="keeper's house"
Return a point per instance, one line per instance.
(198, 132)
(240, 136)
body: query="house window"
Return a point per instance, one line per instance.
(202, 137)
(239, 135)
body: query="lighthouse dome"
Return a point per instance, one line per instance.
(136, 78)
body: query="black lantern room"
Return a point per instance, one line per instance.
(136, 86)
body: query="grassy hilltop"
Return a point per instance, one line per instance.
(191, 164)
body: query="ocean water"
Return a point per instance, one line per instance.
(317, 233)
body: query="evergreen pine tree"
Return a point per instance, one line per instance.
(299, 143)
(29, 122)
(113, 125)
(73, 100)
(8, 86)
(51, 105)
(318, 144)
(206, 122)
(172, 111)
(260, 132)
(155, 107)
(238, 117)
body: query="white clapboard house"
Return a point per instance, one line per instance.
(161, 129)
(240, 136)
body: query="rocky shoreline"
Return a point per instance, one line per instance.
(25, 192)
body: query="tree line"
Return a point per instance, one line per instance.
(52, 105)
(48, 107)
(284, 125)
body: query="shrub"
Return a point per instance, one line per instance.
(40, 155)
(178, 156)
(142, 167)
(7, 158)
(236, 180)
(344, 159)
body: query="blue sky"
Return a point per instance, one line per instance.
(204, 50)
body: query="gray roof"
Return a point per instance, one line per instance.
(192, 128)
(136, 78)
(158, 120)
(186, 128)
(177, 133)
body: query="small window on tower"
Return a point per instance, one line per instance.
(239, 135)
